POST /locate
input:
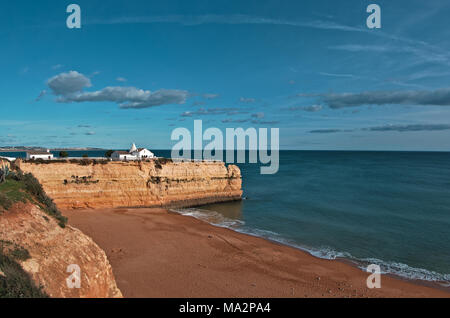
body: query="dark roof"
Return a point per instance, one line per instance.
(121, 152)
(140, 149)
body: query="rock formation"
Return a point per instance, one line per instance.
(90, 184)
(52, 249)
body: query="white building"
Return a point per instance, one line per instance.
(133, 154)
(45, 155)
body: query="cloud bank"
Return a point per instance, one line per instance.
(396, 128)
(69, 88)
(439, 97)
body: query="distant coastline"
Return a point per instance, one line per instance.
(22, 149)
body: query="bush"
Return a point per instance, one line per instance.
(34, 188)
(85, 156)
(63, 154)
(84, 162)
(109, 153)
(162, 161)
(5, 202)
(20, 253)
(16, 283)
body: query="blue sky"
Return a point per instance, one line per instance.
(138, 69)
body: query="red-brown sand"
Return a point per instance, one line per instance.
(156, 253)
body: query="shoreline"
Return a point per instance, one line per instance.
(354, 262)
(192, 258)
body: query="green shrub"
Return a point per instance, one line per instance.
(5, 202)
(33, 187)
(16, 283)
(63, 154)
(20, 253)
(162, 161)
(109, 153)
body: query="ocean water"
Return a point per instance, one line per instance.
(387, 208)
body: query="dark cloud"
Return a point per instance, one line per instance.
(265, 122)
(213, 111)
(397, 128)
(69, 88)
(439, 97)
(414, 127)
(229, 120)
(325, 131)
(312, 108)
(68, 83)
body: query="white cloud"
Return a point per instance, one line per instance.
(68, 83)
(69, 88)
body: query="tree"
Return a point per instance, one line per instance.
(63, 154)
(85, 156)
(109, 153)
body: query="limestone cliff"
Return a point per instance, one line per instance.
(86, 184)
(51, 249)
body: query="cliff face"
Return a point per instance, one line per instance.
(136, 184)
(52, 249)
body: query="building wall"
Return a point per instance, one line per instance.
(45, 157)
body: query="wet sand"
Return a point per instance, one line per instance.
(156, 253)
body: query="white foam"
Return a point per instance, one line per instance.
(211, 217)
(398, 269)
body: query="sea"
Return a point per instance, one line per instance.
(368, 207)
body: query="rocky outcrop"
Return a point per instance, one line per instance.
(151, 183)
(52, 249)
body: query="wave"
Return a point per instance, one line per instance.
(212, 217)
(393, 268)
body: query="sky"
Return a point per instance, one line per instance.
(136, 70)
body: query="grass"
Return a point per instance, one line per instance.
(20, 187)
(15, 191)
(12, 191)
(16, 283)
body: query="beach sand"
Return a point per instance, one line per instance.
(157, 253)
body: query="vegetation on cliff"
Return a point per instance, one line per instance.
(14, 281)
(82, 162)
(20, 187)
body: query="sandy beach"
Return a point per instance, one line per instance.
(157, 253)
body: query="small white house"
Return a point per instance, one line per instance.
(133, 154)
(122, 155)
(33, 155)
(143, 153)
